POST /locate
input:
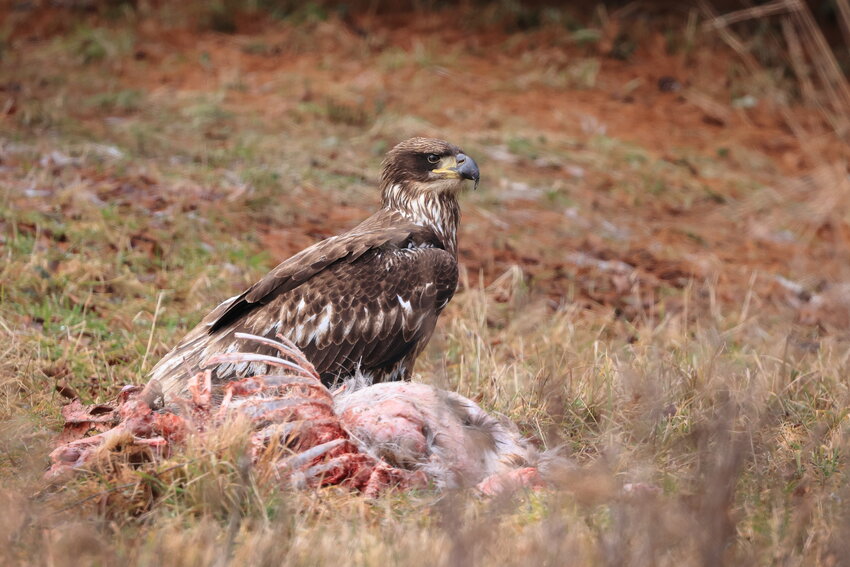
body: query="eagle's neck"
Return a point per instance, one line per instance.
(438, 211)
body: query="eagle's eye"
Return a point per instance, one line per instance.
(433, 158)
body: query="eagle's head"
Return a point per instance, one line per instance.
(421, 166)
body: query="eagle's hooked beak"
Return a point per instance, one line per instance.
(468, 169)
(460, 166)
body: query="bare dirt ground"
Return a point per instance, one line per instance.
(655, 268)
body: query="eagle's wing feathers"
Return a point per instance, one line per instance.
(371, 313)
(293, 272)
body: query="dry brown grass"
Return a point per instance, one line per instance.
(745, 438)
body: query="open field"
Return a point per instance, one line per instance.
(656, 284)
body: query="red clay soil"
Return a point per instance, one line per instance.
(484, 82)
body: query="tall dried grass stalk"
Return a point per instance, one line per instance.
(807, 50)
(844, 18)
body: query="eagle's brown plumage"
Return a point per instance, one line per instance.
(366, 300)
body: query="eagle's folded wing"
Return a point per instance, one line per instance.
(370, 314)
(296, 270)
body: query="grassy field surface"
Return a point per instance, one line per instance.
(656, 271)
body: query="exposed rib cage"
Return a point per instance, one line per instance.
(395, 434)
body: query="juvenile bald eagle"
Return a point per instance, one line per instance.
(364, 301)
